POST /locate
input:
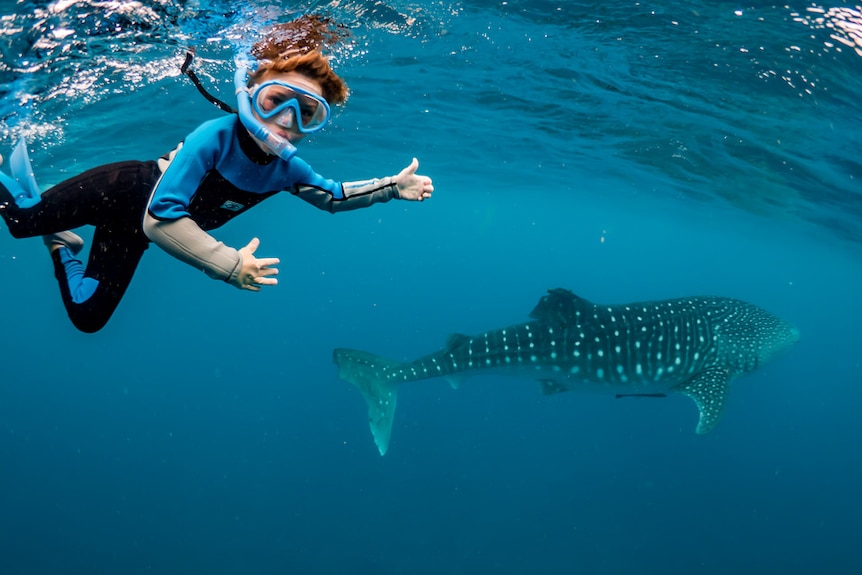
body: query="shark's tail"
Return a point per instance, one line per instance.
(368, 372)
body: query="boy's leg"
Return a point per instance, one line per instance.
(91, 295)
(112, 198)
(109, 195)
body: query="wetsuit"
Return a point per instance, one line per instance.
(215, 174)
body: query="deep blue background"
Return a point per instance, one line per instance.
(205, 430)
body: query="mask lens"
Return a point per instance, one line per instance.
(277, 101)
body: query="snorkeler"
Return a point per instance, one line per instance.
(223, 168)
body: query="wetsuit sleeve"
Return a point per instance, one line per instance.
(185, 168)
(186, 241)
(354, 195)
(167, 222)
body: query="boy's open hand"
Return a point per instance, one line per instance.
(256, 272)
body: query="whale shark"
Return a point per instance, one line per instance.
(692, 345)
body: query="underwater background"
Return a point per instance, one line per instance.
(624, 150)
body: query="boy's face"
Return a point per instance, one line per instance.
(291, 133)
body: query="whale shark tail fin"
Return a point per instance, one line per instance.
(367, 371)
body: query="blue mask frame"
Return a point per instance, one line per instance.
(286, 113)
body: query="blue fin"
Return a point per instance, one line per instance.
(23, 187)
(19, 164)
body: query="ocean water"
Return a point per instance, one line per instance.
(624, 150)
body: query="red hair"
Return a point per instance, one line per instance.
(296, 46)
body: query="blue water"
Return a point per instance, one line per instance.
(625, 150)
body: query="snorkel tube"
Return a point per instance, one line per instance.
(279, 146)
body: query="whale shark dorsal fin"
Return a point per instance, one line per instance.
(559, 307)
(456, 341)
(709, 390)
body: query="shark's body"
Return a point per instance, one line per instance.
(695, 346)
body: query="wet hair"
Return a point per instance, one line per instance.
(297, 46)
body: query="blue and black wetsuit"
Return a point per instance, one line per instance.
(217, 173)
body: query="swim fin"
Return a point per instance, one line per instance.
(19, 164)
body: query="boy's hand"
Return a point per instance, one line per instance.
(255, 272)
(412, 186)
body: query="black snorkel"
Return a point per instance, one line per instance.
(186, 69)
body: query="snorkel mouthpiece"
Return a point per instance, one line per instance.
(279, 146)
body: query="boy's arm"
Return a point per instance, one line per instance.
(186, 241)
(407, 185)
(167, 222)
(354, 195)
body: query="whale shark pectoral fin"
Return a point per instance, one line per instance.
(709, 390)
(454, 382)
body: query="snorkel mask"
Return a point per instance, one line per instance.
(286, 105)
(290, 106)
